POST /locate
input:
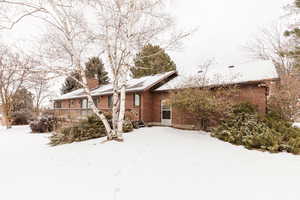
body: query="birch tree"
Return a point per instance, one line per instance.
(65, 41)
(123, 28)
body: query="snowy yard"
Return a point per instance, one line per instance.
(152, 164)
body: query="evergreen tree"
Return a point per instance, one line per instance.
(70, 84)
(152, 60)
(294, 35)
(95, 69)
(22, 101)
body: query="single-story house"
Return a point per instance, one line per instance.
(147, 97)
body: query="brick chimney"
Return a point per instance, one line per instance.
(92, 83)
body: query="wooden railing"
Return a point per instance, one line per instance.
(77, 113)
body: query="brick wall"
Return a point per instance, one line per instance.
(147, 107)
(252, 94)
(92, 83)
(131, 112)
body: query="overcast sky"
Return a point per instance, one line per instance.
(223, 27)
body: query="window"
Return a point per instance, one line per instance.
(84, 103)
(96, 101)
(110, 101)
(57, 104)
(136, 99)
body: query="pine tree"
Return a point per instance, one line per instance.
(95, 68)
(22, 101)
(152, 60)
(70, 84)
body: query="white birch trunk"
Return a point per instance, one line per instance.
(122, 105)
(115, 108)
(94, 108)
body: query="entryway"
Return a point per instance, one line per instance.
(166, 113)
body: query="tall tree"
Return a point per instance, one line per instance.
(271, 44)
(71, 84)
(121, 29)
(95, 69)
(152, 60)
(22, 101)
(14, 74)
(41, 89)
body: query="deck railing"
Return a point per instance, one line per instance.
(78, 113)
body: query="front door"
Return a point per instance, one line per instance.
(166, 113)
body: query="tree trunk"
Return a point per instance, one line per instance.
(6, 116)
(115, 108)
(122, 106)
(94, 108)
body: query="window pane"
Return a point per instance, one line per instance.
(137, 100)
(166, 105)
(84, 104)
(96, 101)
(166, 114)
(110, 101)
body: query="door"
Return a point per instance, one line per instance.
(166, 113)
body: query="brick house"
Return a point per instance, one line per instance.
(147, 97)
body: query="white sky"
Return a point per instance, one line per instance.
(223, 27)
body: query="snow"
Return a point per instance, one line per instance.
(218, 75)
(133, 85)
(152, 163)
(297, 125)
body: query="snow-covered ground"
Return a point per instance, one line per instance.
(297, 124)
(152, 164)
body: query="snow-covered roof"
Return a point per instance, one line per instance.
(133, 85)
(220, 75)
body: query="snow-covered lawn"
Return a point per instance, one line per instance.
(297, 124)
(152, 164)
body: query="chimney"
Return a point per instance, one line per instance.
(92, 83)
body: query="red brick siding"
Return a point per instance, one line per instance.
(131, 112)
(147, 106)
(256, 96)
(252, 94)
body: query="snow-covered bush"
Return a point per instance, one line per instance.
(44, 124)
(270, 133)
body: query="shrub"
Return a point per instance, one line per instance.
(21, 118)
(44, 124)
(91, 128)
(127, 126)
(270, 133)
(205, 105)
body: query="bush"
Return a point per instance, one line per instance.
(204, 105)
(21, 118)
(127, 126)
(270, 133)
(44, 124)
(91, 128)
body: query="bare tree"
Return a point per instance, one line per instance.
(65, 41)
(14, 73)
(41, 89)
(122, 27)
(271, 44)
